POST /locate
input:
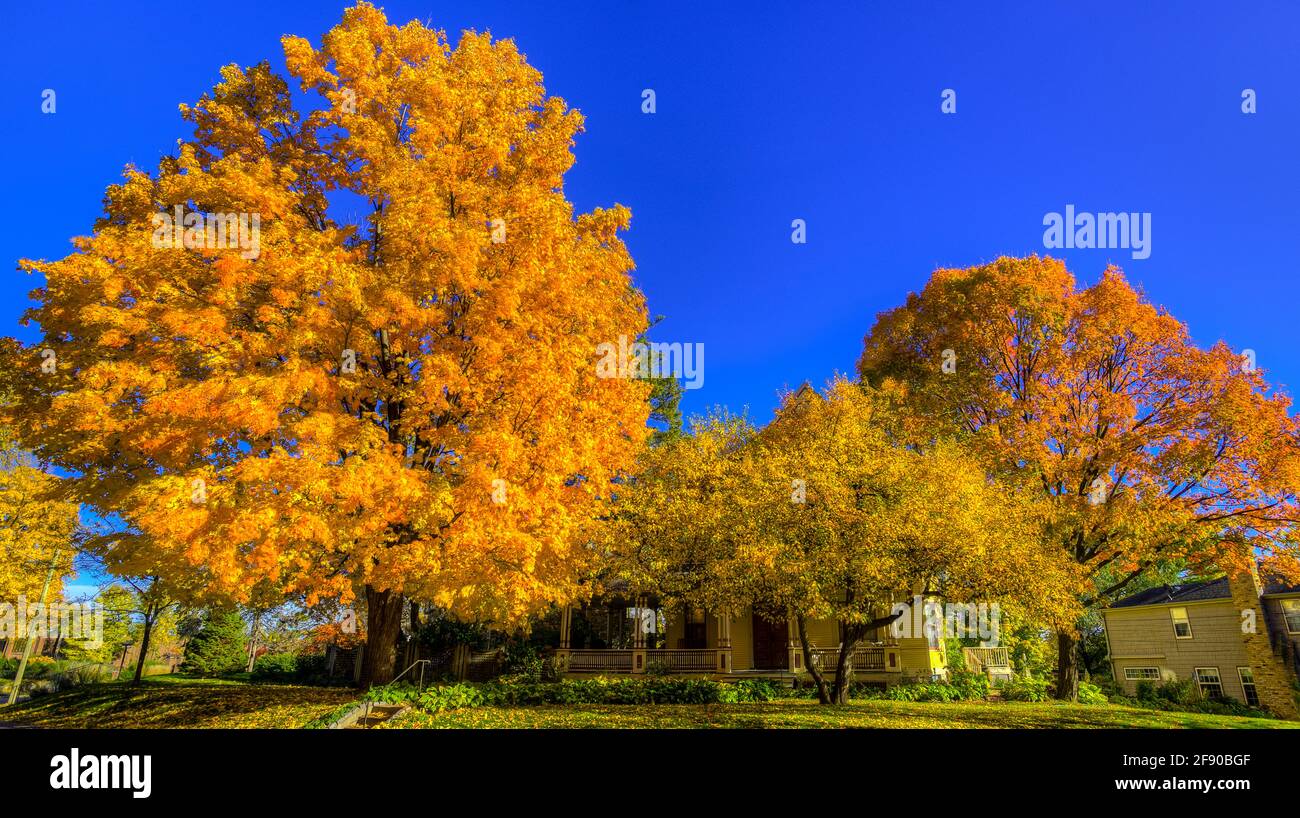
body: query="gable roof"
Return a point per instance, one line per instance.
(1168, 594)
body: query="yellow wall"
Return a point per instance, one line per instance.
(915, 655)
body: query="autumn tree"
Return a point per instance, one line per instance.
(828, 513)
(1149, 450)
(400, 404)
(849, 517)
(37, 528)
(153, 602)
(669, 524)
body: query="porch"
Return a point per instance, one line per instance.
(995, 663)
(707, 643)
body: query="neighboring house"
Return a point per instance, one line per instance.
(44, 646)
(1234, 636)
(606, 639)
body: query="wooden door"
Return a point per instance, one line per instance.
(771, 644)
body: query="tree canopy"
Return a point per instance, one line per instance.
(1148, 449)
(401, 403)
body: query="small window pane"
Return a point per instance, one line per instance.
(1134, 674)
(1182, 628)
(1248, 686)
(1211, 685)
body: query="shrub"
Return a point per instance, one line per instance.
(1183, 691)
(8, 668)
(969, 684)
(1184, 696)
(1026, 689)
(657, 667)
(1091, 694)
(553, 668)
(311, 667)
(219, 646)
(1146, 691)
(600, 690)
(85, 674)
(276, 667)
(522, 660)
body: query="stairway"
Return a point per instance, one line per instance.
(379, 713)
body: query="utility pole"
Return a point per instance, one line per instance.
(27, 641)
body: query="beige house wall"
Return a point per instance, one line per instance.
(1144, 637)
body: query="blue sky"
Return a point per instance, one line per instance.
(829, 113)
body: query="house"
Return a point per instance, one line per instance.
(637, 636)
(1236, 637)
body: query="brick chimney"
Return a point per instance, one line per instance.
(1273, 677)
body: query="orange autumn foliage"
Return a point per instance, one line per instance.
(1150, 450)
(404, 402)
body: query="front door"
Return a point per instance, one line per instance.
(771, 644)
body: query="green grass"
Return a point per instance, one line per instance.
(170, 701)
(791, 713)
(177, 701)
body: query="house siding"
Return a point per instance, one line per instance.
(1144, 637)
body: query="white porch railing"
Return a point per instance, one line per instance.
(983, 659)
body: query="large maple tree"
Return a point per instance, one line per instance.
(400, 404)
(1151, 451)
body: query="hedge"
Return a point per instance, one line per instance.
(580, 691)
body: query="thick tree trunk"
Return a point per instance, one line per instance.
(383, 623)
(150, 614)
(849, 639)
(1067, 666)
(823, 696)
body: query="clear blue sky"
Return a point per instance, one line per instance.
(830, 113)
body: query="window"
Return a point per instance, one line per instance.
(1182, 628)
(1291, 612)
(1211, 685)
(1248, 686)
(1136, 674)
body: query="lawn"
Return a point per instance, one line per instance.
(171, 701)
(176, 701)
(798, 713)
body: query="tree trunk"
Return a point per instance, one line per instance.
(823, 696)
(383, 623)
(849, 639)
(252, 641)
(1067, 666)
(150, 614)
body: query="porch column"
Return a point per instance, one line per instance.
(724, 642)
(794, 662)
(638, 636)
(566, 630)
(566, 626)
